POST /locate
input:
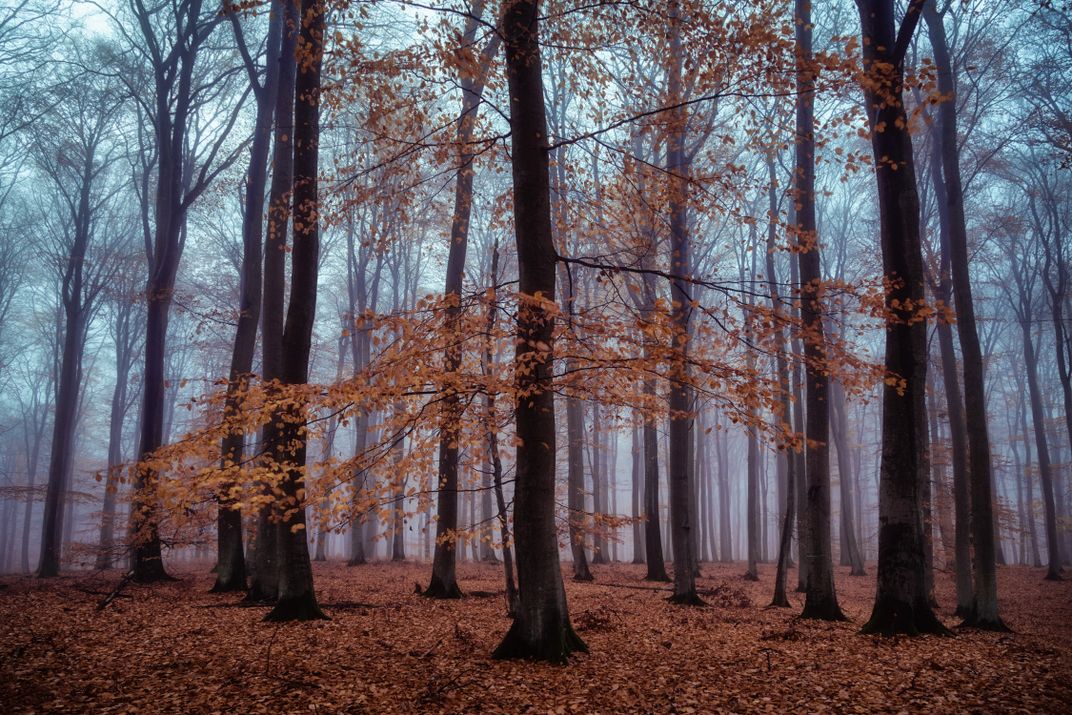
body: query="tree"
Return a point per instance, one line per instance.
(541, 627)
(901, 601)
(297, 598)
(444, 583)
(820, 596)
(984, 610)
(169, 38)
(75, 153)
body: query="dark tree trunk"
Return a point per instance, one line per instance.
(444, 581)
(820, 596)
(63, 430)
(297, 599)
(901, 599)
(264, 585)
(541, 627)
(230, 556)
(1036, 558)
(984, 612)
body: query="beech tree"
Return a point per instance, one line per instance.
(902, 603)
(541, 627)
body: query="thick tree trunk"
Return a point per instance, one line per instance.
(541, 627)
(297, 598)
(984, 613)
(820, 596)
(901, 599)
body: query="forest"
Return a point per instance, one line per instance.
(535, 356)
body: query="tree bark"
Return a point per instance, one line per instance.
(297, 598)
(264, 584)
(230, 556)
(984, 612)
(820, 596)
(901, 599)
(541, 627)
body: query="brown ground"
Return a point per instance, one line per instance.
(176, 648)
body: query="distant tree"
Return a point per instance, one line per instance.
(74, 150)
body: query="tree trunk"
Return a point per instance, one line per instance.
(638, 488)
(984, 612)
(849, 545)
(820, 596)
(541, 627)
(297, 598)
(230, 559)
(1042, 450)
(575, 484)
(264, 584)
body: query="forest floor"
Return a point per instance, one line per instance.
(177, 648)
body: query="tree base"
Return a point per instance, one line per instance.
(357, 562)
(1052, 575)
(228, 585)
(554, 646)
(780, 600)
(440, 589)
(750, 576)
(903, 619)
(152, 574)
(858, 572)
(687, 599)
(825, 611)
(657, 575)
(585, 576)
(296, 608)
(258, 594)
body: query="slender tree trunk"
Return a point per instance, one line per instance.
(230, 559)
(840, 430)
(638, 489)
(679, 474)
(984, 613)
(541, 627)
(297, 598)
(120, 401)
(264, 584)
(1042, 450)
(820, 596)
(575, 484)
(1036, 558)
(444, 583)
(63, 430)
